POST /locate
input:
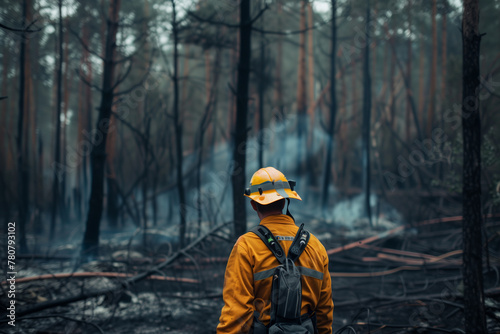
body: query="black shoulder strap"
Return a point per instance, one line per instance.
(270, 241)
(299, 243)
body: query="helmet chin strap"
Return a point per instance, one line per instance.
(288, 209)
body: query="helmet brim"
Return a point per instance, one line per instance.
(271, 196)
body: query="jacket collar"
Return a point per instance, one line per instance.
(277, 219)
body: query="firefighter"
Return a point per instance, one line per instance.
(248, 277)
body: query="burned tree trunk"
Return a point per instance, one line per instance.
(432, 105)
(240, 133)
(367, 97)
(333, 107)
(178, 131)
(278, 87)
(301, 91)
(474, 312)
(98, 155)
(22, 156)
(57, 155)
(261, 92)
(408, 77)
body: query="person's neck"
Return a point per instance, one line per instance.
(267, 214)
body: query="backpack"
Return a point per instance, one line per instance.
(286, 291)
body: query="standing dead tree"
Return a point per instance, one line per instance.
(240, 133)
(366, 117)
(333, 107)
(22, 152)
(474, 311)
(57, 155)
(98, 155)
(178, 129)
(301, 90)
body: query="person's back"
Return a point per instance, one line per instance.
(251, 265)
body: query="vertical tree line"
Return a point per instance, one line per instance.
(333, 105)
(238, 177)
(21, 142)
(367, 104)
(98, 155)
(475, 320)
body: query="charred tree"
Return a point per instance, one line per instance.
(240, 132)
(408, 76)
(278, 86)
(311, 110)
(261, 91)
(22, 156)
(444, 51)
(333, 108)
(474, 311)
(367, 97)
(178, 131)
(301, 90)
(432, 104)
(98, 155)
(421, 87)
(3, 128)
(88, 112)
(58, 169)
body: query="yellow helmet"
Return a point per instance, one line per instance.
(269, 185)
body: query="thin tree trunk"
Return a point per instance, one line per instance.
(392, 90)
(98, 156)
(261, 91)
(67, 90)
(444, 56)
(3, 135)
(301, 90)
(240, 134)
(233, 100)
(421, 88)
(310, 81)
(23, 191)
(79, 133)
(37, 196)
(178, 132)
(278, 91)
(366, 118)
(343, 134)
(185, 102)
(88, 122)
(474, 311)
(354, 90)
(333, 107)
(432, 104)
(57, 155)
(408, 76)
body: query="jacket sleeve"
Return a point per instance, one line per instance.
(324, 310)
(238, 293)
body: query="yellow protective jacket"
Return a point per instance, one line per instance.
(248, 279)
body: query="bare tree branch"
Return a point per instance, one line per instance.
(85, 46)
(86, 81)
(25, 30)
(140, 82)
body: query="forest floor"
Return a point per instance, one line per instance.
(405, 279)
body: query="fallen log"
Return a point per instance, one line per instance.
(101, 274)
